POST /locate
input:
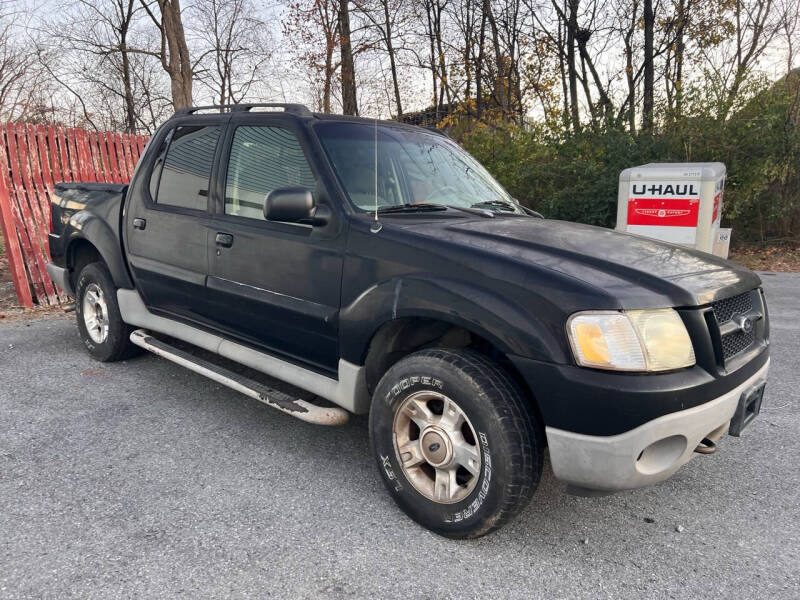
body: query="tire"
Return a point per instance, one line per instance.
(506, 434)
(94, 289)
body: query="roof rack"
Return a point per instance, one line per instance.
(299, 110)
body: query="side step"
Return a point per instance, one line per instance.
(305, 411)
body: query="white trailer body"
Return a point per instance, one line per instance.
(674, 202)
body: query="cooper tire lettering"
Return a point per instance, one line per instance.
(505, 433)
(483, 490)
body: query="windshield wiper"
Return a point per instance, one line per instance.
(481, 212)
(525, 210)
(420, 207)
(498, 203)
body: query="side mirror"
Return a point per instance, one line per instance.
(291, 205)
(294, 205)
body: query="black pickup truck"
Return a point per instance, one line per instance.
(380, 269)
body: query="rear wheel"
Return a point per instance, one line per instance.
(457, 445)
(105, 335)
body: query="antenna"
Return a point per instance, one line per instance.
(376, 226)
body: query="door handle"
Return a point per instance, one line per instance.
(139, 223)
(224, 240)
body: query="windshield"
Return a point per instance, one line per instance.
(413, 168)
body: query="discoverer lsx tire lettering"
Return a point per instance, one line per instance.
(457, 443)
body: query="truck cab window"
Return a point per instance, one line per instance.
(155, 173)
(263, 159)
(186, 168)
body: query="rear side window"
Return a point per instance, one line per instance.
(186, 169)
(263, 159)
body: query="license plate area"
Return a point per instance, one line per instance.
(748, 409)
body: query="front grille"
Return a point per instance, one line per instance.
(734, 343)
(735, 305)
(725, 310)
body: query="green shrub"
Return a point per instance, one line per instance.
(575, 176)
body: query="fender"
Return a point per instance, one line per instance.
(84, 225)
(91, 212)
(518, 332)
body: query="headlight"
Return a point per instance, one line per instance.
(636, 340)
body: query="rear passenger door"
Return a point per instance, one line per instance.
(168, 221)
(275, 285)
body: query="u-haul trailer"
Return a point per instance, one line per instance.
(675, 202)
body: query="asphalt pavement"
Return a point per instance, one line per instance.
(142, 479)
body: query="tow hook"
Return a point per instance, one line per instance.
(706, 446)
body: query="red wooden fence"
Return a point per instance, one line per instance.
(32, 159)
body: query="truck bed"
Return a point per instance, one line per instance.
(103, 199)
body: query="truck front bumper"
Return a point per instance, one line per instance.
(648, 453)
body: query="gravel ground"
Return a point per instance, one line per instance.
(142, 479)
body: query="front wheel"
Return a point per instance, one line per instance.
(102, 330)
(457, 445)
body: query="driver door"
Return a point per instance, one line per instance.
(275, 285)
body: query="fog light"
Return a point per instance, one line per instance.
(661, 455)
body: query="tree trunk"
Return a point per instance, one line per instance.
(630, 77)
(683, 17)
(392, 62)
(175, 53)
(127, 86)
(586, 90)
(467, 55)
(631, 100)
(444, 81)
(330, 26)
(130, 109)
(586, 61)
(326, 88)
(649, 70)
(479, 68)
(563, 73)
(432, 57)
(349, 101)
(501, 94)
(572, 28)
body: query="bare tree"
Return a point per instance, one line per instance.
(313, 28)
(649, 66)
(102, 30)
(629, 18)
(564, 41)
(173, 52)
(790, 30)
(572, 30)
(349, 101)
(755, 24)
(23, 77)
(383, 16)
(235, 48)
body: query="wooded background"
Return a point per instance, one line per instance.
(554, 96)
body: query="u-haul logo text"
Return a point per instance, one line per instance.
(664, 189)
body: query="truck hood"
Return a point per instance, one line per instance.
(637, 271)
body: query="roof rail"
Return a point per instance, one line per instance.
(299, 110)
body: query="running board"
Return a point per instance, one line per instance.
(305, 411)
(348, 390)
